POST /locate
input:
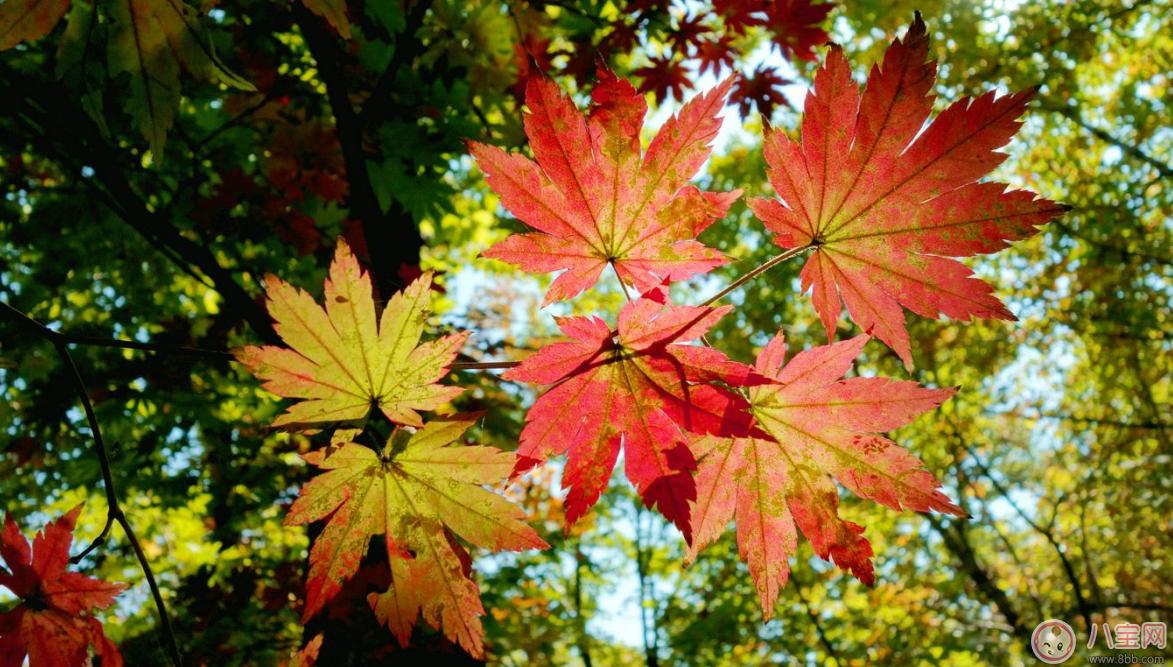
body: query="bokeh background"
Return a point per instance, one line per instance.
(1057, 444)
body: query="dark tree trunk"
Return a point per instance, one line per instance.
(393, 245)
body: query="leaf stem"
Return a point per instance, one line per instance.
(482, 365)
(758, 270)
(622, 285)
(98, 541)
(114, 511)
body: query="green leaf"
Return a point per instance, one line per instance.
(150, 41)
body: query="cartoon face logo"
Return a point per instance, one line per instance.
(1053, 641)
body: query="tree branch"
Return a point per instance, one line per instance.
(1076, 587)
(94, 341)
(456, 366)
(78, 143)
(959, 546)
(1072, 115)
(392, 238)
(754, 273)
(407, 47)
(823, 638)
(1157, 426)
(114, 512)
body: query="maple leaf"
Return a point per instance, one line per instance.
(150, 39)
(304, 157)
(532, 57)
(818, 426)
(715, 55)
(688, 33)
(582, 57)
(622, 38)
(593, 200)
(795, 24)
(664, 78)
(308, 655)
(53, 624)
(740, 14)
(341, 363)
(761, 89)
(28, 20)
(639, 387)
(885, 205)
(417, 491)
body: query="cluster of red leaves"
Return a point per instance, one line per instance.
(881, 201)
(696, 43)
(303, 161)
(640, 386)
(53, 624)
(879, 207)
(795, 30)
(793, 24)
(305, 158)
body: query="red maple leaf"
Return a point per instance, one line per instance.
(532, 57)
(594, 200)
(762, 89)
(795, 24)
(715, 55)
(647, 6)
(818, 427)
(638, 386)
(885, 205)
(664, 77)
(54, 622)
(582, 56)
(740, 14)
(621, 39)
(308, 655)
(305, 157)
(688, 33)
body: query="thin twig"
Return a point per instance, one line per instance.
(832, 654)
(1072, 114)
(761, 268)
(98, 541)
(146, 347)
(482, 365)
(76, 140)
(622, 285)
(1046, 531)
(114, 511)
(407, 48)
